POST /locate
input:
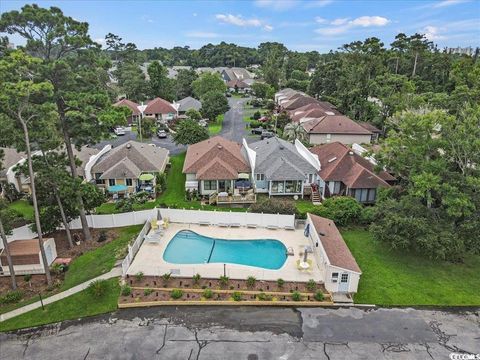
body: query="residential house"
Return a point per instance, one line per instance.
(134, 107)
(281, 168)
(186, 104)
(13, 159)
(160, 109)
(130, 167)
(26, 256)
(376, 133)
(331, 128)
(296, 101)
(173, 70)
(340, 270)
(217, 168)
(238, 86)
(344, 172)
(283, 94)
(235, 73)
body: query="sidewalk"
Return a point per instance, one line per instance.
(116, 271)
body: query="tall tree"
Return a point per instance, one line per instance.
(183, 83)
(73, 64)
(159, 83)
(25, 108)
(214, 103)
(189, 132)
(208, 82)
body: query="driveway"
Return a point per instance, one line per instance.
(252, 333)
(233, 129)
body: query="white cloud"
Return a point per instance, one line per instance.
(342, 25)
(202, 34)
(317, 3)
(366, 21)
(339, 21)
(238, 20)
(277, 5)
(446, 3)
(320, 20)
(433, 33)
(100, 41)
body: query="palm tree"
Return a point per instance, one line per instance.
(294, 131)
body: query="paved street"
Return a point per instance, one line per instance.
(233, 129)
(252, 334)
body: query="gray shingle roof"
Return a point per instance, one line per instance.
(279, 160)
(189, 103)
(130, 158)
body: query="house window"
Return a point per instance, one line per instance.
(98, 180)
(365, 195)
(210, 184)
(310, 178)
(334, 277)
(111, 182)
(277, 187)
(336, 187)
(344, 278)
(128, 182)
(260, 177)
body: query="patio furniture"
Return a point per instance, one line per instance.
(290, 251)
(154, 224)
(223, 225)
(204, 223)
(272, 227)
(289, 227)
(237, 225)
(252, 226)
(304, 266)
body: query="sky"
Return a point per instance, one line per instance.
(302, 25)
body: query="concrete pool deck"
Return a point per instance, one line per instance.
(149, 258)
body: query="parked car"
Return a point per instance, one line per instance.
(258, 131)
(266, 135)
(162, 134)
(119, 131)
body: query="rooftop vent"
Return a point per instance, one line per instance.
(332, 159)
(329, 113)
(350, 152)
(219, 146)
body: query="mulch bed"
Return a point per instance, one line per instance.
(237, 285)
(38, 283)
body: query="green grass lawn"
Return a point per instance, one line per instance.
(78, 305)
(394, 278)
(99, 261)
(24, 208)
(215, 127)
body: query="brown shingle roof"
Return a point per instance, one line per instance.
(159, 106)
(337, 251)
(370, 127)
(334, 124)
(238, 83)
(313, 113)
(130, 104)
(295, 103)
(339, 163)
(223, 157)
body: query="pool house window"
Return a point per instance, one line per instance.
(128, 182)
(260, 177)
(111, 182)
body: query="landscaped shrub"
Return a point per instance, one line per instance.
(264, 297)
(280, 282)
(207, 293)
(343, 210)
(147, 292)
(311, 285)
(166, 278)
(367, 215)
(196, 278)
(255, 124)
(102, 236)
(139, 276)
(98, 288)
(257, 115)
(27, 277)
(251, 280)
(319, 296)
(296, 296)
(56, 268)
(274, 206)
(237, 296)
(11, 297)
(223, 280)
(176, 294)
(126, 290)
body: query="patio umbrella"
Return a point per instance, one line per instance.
(116, 188)
(146, 177)
(306, 232)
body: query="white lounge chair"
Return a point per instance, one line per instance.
(235, 225)
(204, 223)
(289, 227)
(252, 226)
(272, 227)
(223, 225)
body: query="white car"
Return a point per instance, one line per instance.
(119, 131)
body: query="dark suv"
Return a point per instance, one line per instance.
(266, 135)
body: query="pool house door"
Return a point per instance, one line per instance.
(344, 280)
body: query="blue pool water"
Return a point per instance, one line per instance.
(188, 247)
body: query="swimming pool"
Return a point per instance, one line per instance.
(188, 247)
